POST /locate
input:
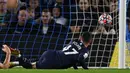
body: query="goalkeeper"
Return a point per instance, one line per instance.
(74, 53)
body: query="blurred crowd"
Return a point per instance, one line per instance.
(128, 23)
(56, 16)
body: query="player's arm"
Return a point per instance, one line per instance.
(6, 62)
(83, 64)
(82, 59)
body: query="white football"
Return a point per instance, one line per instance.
(105, 19)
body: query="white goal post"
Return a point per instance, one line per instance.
(122, 33)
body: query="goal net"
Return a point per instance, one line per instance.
(81, 16)
(104, 39)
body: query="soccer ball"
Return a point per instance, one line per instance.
(105, 19)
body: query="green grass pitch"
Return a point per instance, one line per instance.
(21, 70)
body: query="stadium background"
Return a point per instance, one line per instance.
(33, 45)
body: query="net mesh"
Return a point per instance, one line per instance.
(81, 16)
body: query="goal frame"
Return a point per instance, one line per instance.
(122, 34)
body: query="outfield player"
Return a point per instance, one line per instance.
(73, 53)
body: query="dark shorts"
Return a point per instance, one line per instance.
(48, 60)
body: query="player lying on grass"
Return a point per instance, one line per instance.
(74, 53)
(6, 62)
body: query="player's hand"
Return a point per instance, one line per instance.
(6, 49)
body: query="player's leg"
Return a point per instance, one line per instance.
(25, 62)
(47, 60)
(21, 60)
(42, 63)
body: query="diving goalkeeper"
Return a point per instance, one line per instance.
(74, 53)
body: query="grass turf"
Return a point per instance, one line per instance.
(21, 70)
